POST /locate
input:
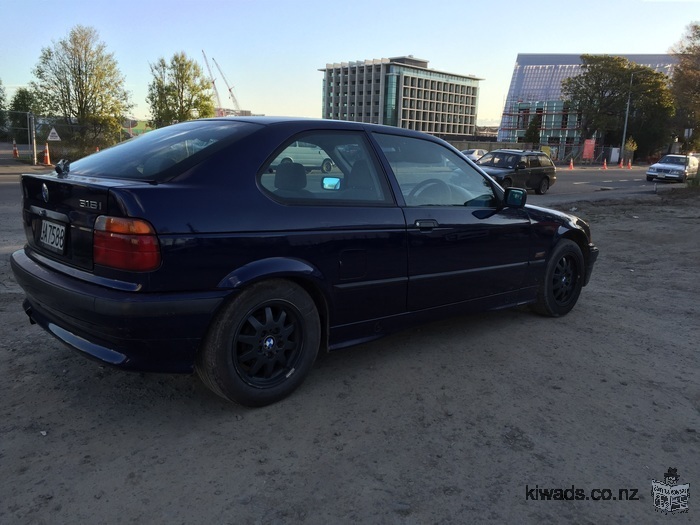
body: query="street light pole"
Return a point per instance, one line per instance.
(627, 114)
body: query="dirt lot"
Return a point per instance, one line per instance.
(451, 422)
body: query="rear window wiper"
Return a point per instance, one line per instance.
(62, 167)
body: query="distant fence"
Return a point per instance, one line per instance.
(63, 137)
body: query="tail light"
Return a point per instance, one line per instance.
(125, 244)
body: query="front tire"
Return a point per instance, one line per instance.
(326, 166)
(262, 344)
(563, 280)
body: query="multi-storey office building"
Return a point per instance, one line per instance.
(401, 92)
(535, 90)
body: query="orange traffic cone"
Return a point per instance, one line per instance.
(629, 164)
(47, 159)
(605, 164)
(97, 149)
(571, 163)
(622, 164)
(15, 151)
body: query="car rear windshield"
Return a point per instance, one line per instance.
(151, 156)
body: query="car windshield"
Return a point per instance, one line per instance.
(673, 159)
(498, 160)
(149, 156)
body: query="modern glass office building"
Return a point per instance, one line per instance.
(401, 92)
(535, 89)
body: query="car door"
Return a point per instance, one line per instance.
(534, 172)
(461, 245)
(344, 222)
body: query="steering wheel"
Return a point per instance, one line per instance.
(442, 187)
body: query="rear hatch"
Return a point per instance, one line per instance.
(59, 215)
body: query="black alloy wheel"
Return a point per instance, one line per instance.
(563, 280)
(262, 344)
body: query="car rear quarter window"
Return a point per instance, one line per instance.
(545, 161)
(325, 166)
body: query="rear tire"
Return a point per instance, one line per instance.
(326, 166)
(543, 187)
(262, 344)
(507, 183)
(563, 280)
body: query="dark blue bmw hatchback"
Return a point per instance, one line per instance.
(223, 246)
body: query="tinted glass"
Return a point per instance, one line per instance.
(430, 174)
(333, 166)
(150, 156)
(499, 159)
(545, 160)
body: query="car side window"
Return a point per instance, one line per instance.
(326, 166)
(545, 161)
(534, 161)
(430, 174)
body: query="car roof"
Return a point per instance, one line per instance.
(518, 151)
(304, 124)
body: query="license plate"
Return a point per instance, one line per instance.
(53, 236)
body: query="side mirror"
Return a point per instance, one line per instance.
(330, 183)
(515, 197)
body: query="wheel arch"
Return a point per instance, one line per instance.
(298, 271)
(580, 238)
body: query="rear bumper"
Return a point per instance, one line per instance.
(132, 330)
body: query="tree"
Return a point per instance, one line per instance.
(532, 133)
(686, 86)
(2, 96)
(179, 91)
(79, 82)
(601, 93)
(3, 115)
(22, 103)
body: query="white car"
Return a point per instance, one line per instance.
(674, 168)
(474, 154)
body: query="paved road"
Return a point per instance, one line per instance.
(594, 183)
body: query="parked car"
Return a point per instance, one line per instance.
(523, 169)
(474, 154)
(194, 247)
(674, 168)
(309, 155)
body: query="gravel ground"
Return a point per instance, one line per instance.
(451, 422)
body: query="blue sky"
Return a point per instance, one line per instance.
(271, 51)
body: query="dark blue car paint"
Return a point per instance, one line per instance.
(371, 269)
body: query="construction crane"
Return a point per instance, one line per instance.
(236, 107)
(220, 109)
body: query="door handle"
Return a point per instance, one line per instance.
(426, 224)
